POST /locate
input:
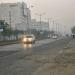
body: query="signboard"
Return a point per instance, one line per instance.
(1, 30)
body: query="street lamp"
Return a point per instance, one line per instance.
(53, 25)
(10, 19)
(49, 21)
(40, 15)
(27, 16)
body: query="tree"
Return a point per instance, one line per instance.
(6, 30)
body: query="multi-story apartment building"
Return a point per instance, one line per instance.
(17, 15)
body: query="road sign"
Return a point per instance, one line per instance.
(1, 30)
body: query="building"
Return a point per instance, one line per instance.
(39, 26)
(17, 15)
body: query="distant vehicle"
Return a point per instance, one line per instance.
(48, 36)
(73, 35)
(28, 39)
(54, 37)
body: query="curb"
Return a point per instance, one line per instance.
(8, 43)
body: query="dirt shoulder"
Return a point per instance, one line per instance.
(62, 64)
(2, 43)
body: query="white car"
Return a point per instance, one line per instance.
(54, 37)
(28, 39)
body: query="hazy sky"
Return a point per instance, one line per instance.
(62, 11)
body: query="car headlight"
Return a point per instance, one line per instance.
(30, 39)
(24, 39)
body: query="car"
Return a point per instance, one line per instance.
(48, 36)
(28, 39)
(54, 37)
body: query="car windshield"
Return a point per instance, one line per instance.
(37, 37)
(28, 36)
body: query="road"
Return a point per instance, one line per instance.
(17, 60)
(16, 47)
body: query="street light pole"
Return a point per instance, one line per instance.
(28, 27)
(53, 25)
(49, 20)
(56, 28)
(40, 19)
(10, 19)
(40, 15)
(28, 22)
(27, 17)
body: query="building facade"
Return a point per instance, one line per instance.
(17, 15)
(44, 26)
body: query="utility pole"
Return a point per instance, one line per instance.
(27, 17)
(65, 30)
(48, 24)
(28, 24)
(53, 25)
(40, 15)
(40, 21)
(56, 28)
(10, 19)
(28, 28)
(49, 21)
(10, 22)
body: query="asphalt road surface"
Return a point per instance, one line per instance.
(18, 60)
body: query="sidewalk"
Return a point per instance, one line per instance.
(62, 64)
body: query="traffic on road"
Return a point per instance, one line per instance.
(37, 37)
